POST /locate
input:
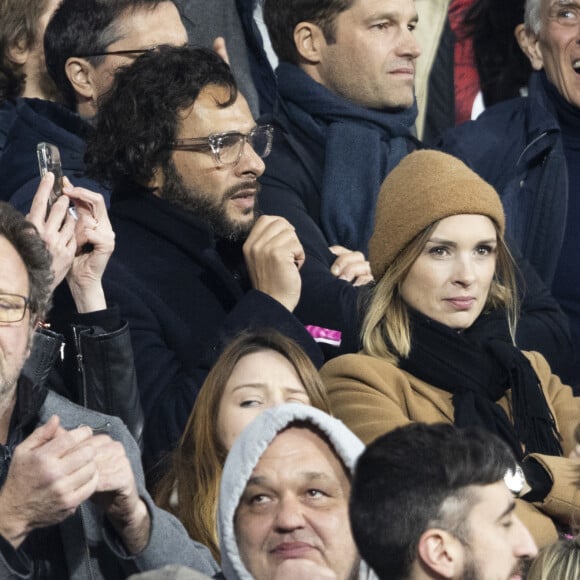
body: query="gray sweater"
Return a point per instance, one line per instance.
(92, 549)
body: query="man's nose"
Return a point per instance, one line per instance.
(524, 545)
(250, 162)
(408, 43)
(290, 514)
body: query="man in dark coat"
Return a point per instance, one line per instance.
(182, 153)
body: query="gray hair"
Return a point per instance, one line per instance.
(532, 16)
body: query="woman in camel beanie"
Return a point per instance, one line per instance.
(425, 187)
(434, 346)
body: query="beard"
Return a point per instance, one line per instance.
(472, 570)
(208, 207)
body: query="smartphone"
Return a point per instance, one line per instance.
(49, 160)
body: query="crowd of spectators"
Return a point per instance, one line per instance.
(291, 307)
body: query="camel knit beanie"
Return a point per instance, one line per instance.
(425, 187)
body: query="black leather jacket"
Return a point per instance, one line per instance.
(105, 378)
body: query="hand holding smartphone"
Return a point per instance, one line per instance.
(49, 160)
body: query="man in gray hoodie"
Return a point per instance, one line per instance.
(283, 510)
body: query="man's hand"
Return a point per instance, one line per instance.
(117, 493)
(351, 266)
(95, 241)
(274, 256)
(52, 472)
(57, 228)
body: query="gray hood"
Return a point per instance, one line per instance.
(245, 454)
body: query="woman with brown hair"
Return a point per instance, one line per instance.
(258, 370)
(444, 273)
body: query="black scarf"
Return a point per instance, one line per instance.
(478, 370)
(361, 146)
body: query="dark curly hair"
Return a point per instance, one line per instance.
(139, 117)
(23, 235)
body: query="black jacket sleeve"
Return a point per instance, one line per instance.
(97, 371)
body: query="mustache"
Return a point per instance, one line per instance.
(522, 567)
(245, 186)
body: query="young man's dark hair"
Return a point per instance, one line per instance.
(282, 16)
(18, 27)
(83, 28)
(34, 254)
(418, 477)
(138, 121)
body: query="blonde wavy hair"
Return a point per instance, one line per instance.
(560, 561)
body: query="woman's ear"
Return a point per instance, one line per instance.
(530, 46)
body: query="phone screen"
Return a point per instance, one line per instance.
(49, 160)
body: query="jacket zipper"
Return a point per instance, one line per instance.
(531, 144)
(80, 366)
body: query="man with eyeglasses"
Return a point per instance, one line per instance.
(73, 502)
(179, 147)
(85, 42)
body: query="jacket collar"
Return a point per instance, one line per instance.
(543, 128)
(29, 399)
(189, 234)
(165, 220)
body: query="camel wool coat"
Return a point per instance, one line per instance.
(372, 396)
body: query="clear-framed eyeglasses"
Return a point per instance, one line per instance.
(228, 148)
(12, 307)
